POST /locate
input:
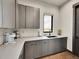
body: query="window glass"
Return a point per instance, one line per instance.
(48, 23)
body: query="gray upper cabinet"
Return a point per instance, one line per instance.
(32, 17)
(22, 16)
(8, 13)
(29, 17)
(36, 18)
(0, 13)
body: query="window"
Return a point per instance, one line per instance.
(48, 23)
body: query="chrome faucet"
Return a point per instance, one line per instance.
(38, 34)
(49, 33)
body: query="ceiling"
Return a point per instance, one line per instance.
(55, 2)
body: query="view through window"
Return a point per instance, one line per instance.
(48, 23)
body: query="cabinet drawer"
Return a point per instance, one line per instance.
(30, 43)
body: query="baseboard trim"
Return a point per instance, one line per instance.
(72, 53)
(50, 54)
(57, 53)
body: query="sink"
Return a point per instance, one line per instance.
(51, 36)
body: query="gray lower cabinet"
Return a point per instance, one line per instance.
(51, 46)
(29, 50)
(57, 45)
(32, 50)
(35, 49)
(44, 49)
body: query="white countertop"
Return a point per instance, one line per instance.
(12, 50)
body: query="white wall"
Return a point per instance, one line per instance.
(44, 8)
(66, 21)
(0, 13)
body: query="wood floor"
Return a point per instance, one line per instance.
(64, 55)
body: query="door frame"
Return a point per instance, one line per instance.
(74, 26)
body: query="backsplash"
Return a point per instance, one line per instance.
(23, 33)
(33, 33)
(2, 33)
(28, 32)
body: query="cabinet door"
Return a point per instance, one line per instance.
(30, 17)
(29, 50)
(37, 49)
(62, 44)
(32, 50)
(51, 46)
(22, 16)
(57, 45)
(44, 47)
(36, 18)
(0, 13)
(17, 16)
(8, 13)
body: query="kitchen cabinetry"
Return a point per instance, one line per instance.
(0, 13)
(8, 7)
(22, 16)
(51, 44)
(32, 50)
(29, 17)
(59, 45)
(44, 45)
(32, 17)
(36, 18)
(35, 49)
(29, 50)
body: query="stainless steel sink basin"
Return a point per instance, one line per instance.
(51, 36)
